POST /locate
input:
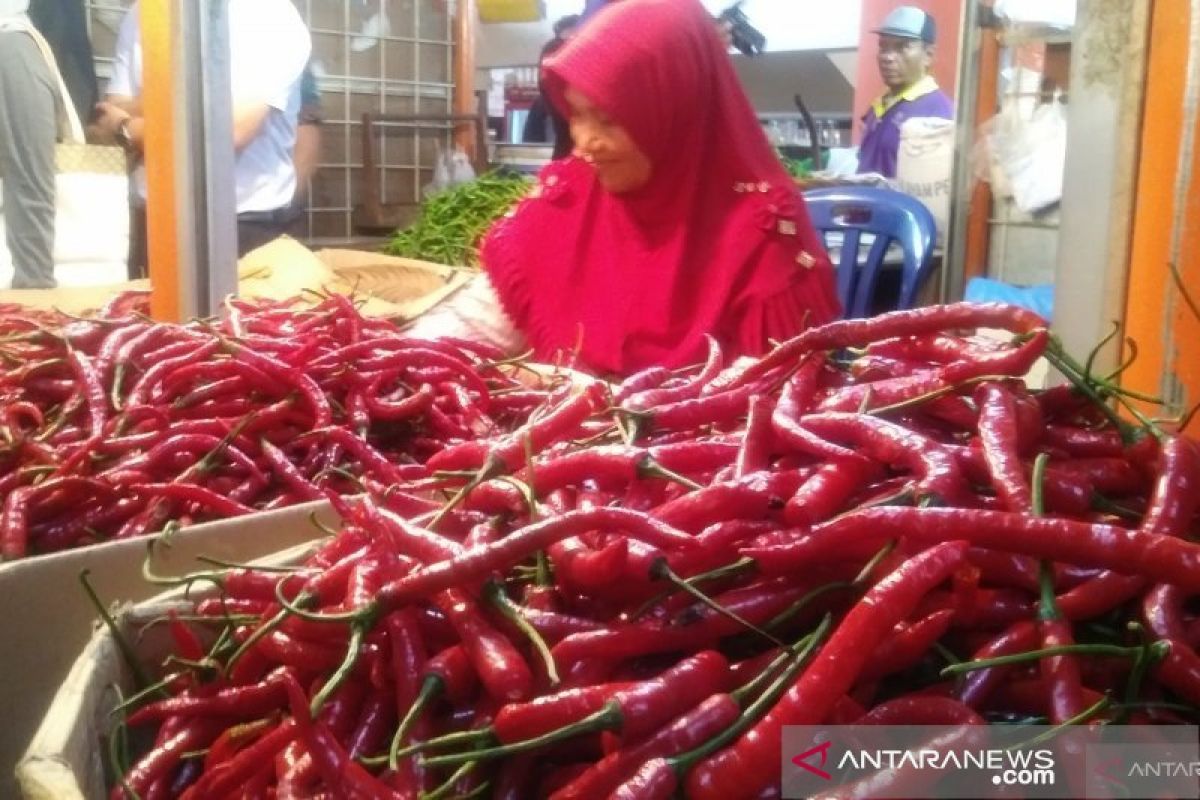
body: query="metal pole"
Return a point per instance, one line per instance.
(205, 154)
(950, 286)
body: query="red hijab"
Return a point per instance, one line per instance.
(637, 279)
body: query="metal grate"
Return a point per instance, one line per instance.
(392, 56)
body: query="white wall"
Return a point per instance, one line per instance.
(787, 24)
(800, 24)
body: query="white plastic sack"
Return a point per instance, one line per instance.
(1024, 158)
(91, 220)
(925, 165)
(452, 168)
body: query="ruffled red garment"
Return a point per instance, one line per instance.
(717, 242)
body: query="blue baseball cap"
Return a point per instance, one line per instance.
(907, 22)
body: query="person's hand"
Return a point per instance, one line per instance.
(108, 119)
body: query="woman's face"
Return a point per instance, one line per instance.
(620, 164)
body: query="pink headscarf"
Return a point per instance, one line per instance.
(717, 242)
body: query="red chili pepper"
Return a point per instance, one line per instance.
(238, 702)
(756, 603)
(341, 773)
(290, 376)
(653, 398)
(654, 780)
(921, 710)
(500, 667)
(189, 493)
(724, 408)
(190, 353)
(1001, 446)
(510, 451)
(938, 348)
(515, 722)
(640, 381)
(938, 471)
(1015, 361)
(1088, 544)
(907, 645)
(749, 765)
(477, 563)
(578, 567)
(1081, 443)
(233, 773)
(691, 730)
(14, 520)
(1177, 490)
(861, 332)
(374, 725)
(164, 757)
(827, 491)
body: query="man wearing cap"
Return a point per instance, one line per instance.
(906, 41)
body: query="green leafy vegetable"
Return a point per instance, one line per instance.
(452, 222)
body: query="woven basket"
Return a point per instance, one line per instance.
(412, 286)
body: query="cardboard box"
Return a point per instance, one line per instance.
(48, 619)
(66, 760)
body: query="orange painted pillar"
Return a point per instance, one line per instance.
(1158, 317)
(464, 71)
(158, 108)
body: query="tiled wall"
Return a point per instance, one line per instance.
(369, 55)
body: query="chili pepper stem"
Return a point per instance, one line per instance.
(761, 705)
(607, 718)
(155, 688)
(1158, 649)
(495, 594)
(661, 570)
(527, 495)
(364, 615)
(1095, 351)
(864, 574)
(1078, 719)
(913, 402)
(127, 652)
(745, 693)
(430, 689)
(491, 468)
(1102, 503)
(357, 632)
(447, 788)
(788, 613)
(255, 636)
(649, 468)
(482, 736)
(118, 750)
(542, 576)
(739, 567)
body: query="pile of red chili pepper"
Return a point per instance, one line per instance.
(114, 426)
(631, 594)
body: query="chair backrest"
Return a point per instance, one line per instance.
(890, 217)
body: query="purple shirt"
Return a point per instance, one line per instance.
(881, 134)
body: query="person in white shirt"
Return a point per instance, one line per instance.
(269, 47)
(28, 130)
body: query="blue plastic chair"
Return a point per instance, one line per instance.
(892, 217)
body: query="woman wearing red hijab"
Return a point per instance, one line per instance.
(673, 220)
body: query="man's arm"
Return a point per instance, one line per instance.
(117, 113)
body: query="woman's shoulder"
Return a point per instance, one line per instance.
(776, 211)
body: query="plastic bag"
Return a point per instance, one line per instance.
(1025, 158)
(451, 168)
